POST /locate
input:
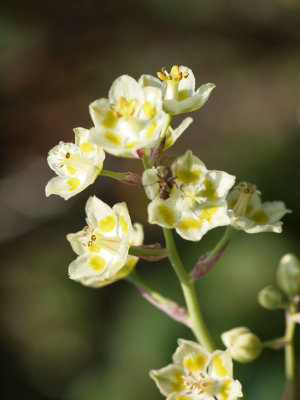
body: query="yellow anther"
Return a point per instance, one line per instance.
(93, 237)
(68, 155)
(90, 243)
(163, 77)
(175, 71)
(174, 75)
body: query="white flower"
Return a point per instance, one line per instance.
(136, 239)
(197, 375)
(249, 214)
(178, 89)
(130, 119)
(102, 246)
(77, 165)
(187, 196)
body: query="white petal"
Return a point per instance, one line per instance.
(149, 80)
(76, 243)
(168, 379)
(275, 210)
(163, 213)
(98, 110)
(97, 210)
(220, 364)
(65, 187)
(191, 356)
(187, 84)
(127, 87)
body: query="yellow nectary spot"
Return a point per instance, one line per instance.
(225, 390)
(209, 191)
(149, 111)
(187, 176)
(196, 363)
(97, 263)
(113, 138)
(182, 95)
(260, 217)
(189, 223)
(86, 147)
(71, 170)
(94, 248)
(178, 383)
(166, 214)
(151, 129)
(219, 366)
(182, 398)
(130, 145)
(107, 224)
(110, 120)
(73, 183)
(128, 267)
(124, 225)
(208, 212)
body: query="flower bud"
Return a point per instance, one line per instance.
(270, 298)
(288, 275)
(242, 343)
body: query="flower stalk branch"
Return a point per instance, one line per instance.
(169, 307)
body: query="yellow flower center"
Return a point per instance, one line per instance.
(95, 241)
(246, 191)
(173, 78)
(197, 384)
(191, 195)
(125, 108)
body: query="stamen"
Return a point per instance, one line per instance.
(68, 155)
(93, 237)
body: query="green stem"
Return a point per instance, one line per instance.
(198, 325)
(146, 162)
(224, 239)
(290, 372)
(276, 343)
(110, 174)
(166, 127)
(151, 252)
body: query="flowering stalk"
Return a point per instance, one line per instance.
(197, 323)
(290, 368)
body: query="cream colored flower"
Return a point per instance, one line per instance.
(102, 246)
(178, 89)
(130, 119)
(77, 165)
(249, 214)
(187, 196)
(197, 375)
(136, 239)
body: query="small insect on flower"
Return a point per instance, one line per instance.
(166, 181)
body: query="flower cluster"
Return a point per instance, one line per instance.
(194, 199)
(134, 122)
(197, 375)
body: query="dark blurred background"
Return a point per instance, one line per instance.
(60, 340)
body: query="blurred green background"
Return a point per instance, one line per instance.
(60, 340)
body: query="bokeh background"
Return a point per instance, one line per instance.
(60, 340)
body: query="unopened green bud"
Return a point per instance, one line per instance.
(270, 298)
(242, 343)
(288, 275)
